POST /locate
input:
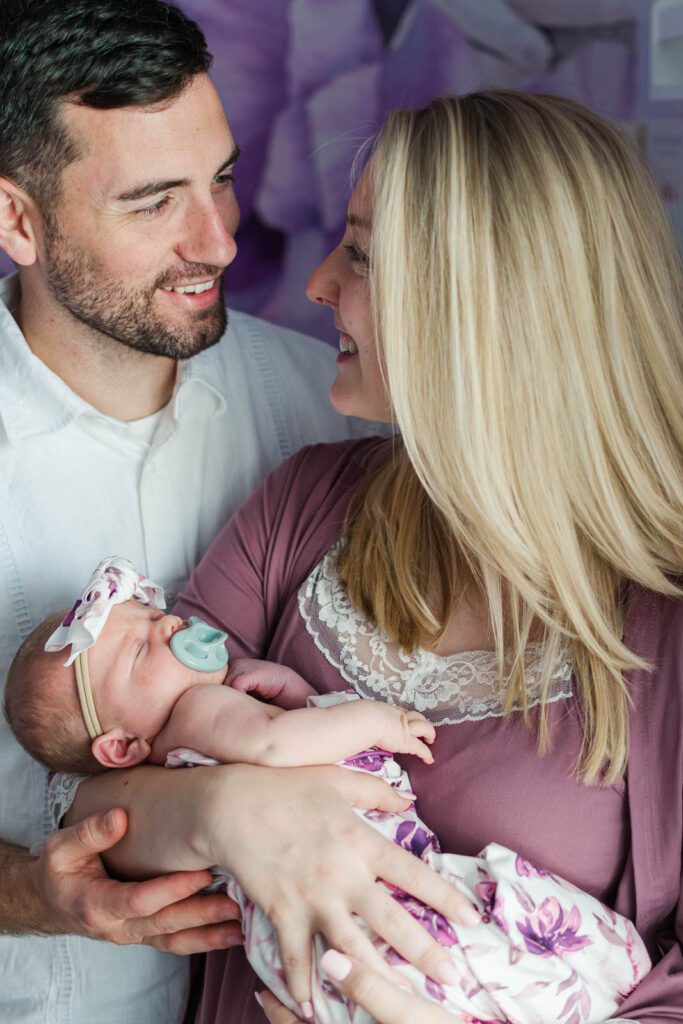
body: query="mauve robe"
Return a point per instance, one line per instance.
(622, 843)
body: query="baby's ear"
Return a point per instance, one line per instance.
(117, 750)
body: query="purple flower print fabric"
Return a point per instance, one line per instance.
(544, 951)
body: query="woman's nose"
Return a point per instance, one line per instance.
(323, 284)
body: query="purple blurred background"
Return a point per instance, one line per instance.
(305, 81)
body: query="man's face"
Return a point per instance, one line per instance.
(146, 210)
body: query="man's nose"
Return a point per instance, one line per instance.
(207, 239)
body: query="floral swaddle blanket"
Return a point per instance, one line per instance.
(545, 951)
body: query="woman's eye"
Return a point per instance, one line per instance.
(224, 179)
(356, 255)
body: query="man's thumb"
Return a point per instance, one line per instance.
(98, 832)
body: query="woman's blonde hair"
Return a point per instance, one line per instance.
(527, 293)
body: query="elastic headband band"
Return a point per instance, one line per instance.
(85, 697)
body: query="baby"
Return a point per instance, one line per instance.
(142, 685)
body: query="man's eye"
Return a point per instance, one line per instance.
(155, 208)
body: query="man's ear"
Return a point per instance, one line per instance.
(18, 214)
(117, 750)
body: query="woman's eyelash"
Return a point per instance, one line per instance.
(355, 255)
(151, 211)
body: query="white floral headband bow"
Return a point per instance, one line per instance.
(114, 581)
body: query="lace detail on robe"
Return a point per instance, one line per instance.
(61, 794)
(446, 689)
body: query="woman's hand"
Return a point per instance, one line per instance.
(388, 1003)
(298, 850)
(76, 896)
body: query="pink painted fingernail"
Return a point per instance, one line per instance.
(307, 1010)
(335, 964)
(259, 999)
(468, 915)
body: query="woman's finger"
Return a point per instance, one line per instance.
(295, 939)
(387, 1003)
(366, 792)
(354, 942)
(274, 1011)
(409, 937)
(405, 871)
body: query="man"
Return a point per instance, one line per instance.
(132, 422)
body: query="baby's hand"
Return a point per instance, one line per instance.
(407, 732)
(283, 686)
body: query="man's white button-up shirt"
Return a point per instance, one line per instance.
(75, 486)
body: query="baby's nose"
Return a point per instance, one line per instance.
(169, 625)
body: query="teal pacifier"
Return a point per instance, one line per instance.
(200, 646)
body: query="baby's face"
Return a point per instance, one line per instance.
(136, 678)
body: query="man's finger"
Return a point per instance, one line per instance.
(67, 849)
(173, 915)
(199, 940)
(385, 1001)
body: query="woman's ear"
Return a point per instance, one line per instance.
(117, 750)
(18, 214)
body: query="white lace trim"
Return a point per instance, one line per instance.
(61, 794)
(446, 689)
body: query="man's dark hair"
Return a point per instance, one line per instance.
(99, 53)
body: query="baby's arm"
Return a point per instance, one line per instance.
(233, 727)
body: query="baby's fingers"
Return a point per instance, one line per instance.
(419, 726)
(421, 750)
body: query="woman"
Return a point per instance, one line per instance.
(508, 293)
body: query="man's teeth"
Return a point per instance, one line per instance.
(347, 344)
(192, 289)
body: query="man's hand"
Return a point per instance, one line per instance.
(388, 1003)
(77, 896)
(277, 683)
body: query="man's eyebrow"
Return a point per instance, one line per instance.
(357, 222)
(153, 188)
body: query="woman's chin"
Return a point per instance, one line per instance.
(348, 402)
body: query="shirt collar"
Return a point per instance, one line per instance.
(201, 369)
(35, 400)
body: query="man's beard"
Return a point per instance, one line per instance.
(126, 314)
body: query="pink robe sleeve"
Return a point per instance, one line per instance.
(656, 775)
